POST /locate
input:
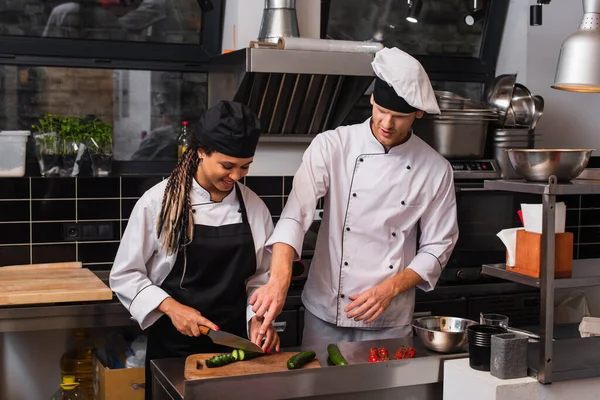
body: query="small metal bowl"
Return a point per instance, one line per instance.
(443, 334)
(538, 165)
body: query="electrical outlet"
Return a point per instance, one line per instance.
(85, 231)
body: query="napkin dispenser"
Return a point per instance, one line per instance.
(528, 254)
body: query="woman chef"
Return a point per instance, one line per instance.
(380, 182)
(193, 250)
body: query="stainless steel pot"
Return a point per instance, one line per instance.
(454, 138)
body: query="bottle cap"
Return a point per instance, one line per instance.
(68, 382)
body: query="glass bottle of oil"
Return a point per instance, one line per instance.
(77, 362)
(183, 140)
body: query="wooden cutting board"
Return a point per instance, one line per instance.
(25, 286)
(270, 363)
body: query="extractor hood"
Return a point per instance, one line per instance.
(295, 93)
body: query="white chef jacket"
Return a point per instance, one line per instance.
(373, 203)
(141, 264)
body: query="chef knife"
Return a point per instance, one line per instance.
(229, 340)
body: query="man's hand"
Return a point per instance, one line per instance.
(184, 318)
(271, 335)
(371, 303)
(267, 302)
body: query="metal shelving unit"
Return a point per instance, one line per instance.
(543, 358)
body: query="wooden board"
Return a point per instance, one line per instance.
(51, 286)
(25, 267)
(270, 363)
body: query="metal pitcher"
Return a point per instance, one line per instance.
(279, 20)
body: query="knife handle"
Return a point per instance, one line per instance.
(204, 329)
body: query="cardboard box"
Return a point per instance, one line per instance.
(118, 384)
(529, 254)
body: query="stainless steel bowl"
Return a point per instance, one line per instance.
(499, 94)
(538, 165)
(443, 334)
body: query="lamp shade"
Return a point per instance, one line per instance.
(578, 67)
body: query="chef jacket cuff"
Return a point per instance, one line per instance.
(288, 231)
(144, 306)
(428, 267)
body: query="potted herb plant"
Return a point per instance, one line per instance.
(99, 144)
(47, 144)
(71, 135)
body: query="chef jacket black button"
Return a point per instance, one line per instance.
(402, 202)
(360, 159)
(342, 296)
(408, 167)
(353, 194)
(239, 210)
(345, 262)
(348, 228)
(391, 267)
(394, 234)
(193, 211)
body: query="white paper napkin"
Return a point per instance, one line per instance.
(509, 238)
(532, 217)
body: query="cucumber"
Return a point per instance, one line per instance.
(219, 361)
(298, 360)
(335, 356)
(243, 355)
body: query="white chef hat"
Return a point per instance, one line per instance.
(402, 84)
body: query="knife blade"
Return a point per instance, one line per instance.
(230, 340)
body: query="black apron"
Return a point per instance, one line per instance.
(219, 261)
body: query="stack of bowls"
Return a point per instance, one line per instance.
(479, 338)
(504, 139)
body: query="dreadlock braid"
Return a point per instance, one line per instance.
(175, 226)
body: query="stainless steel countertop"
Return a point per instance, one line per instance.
(425, 368)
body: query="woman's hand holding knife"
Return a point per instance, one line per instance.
(184, 318)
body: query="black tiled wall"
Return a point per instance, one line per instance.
(34, 213)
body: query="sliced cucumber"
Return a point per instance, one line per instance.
(219, 361)
(335, 355)
(300, 359)
(242, 355)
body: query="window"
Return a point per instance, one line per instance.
(159, 21)
(144, 108)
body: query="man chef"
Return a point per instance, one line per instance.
(380, 182)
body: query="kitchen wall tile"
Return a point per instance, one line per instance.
(589, 251)
(14, 233)
(98, 209)
(575, 252)
(274, 204)
(287, 184)
(123, 226)
(136, 187)
(98, 267)
(589, 235)
(47, 232)
(14, 188)
(590, 217)
(590, 201)
(99, 188)
(571, 201)
(265, 185)
(126, 207)
(572, 218)
(53, 210)
(97, 252)
(50, 253)
(62, 188)
(14, 255)
(14, 211)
